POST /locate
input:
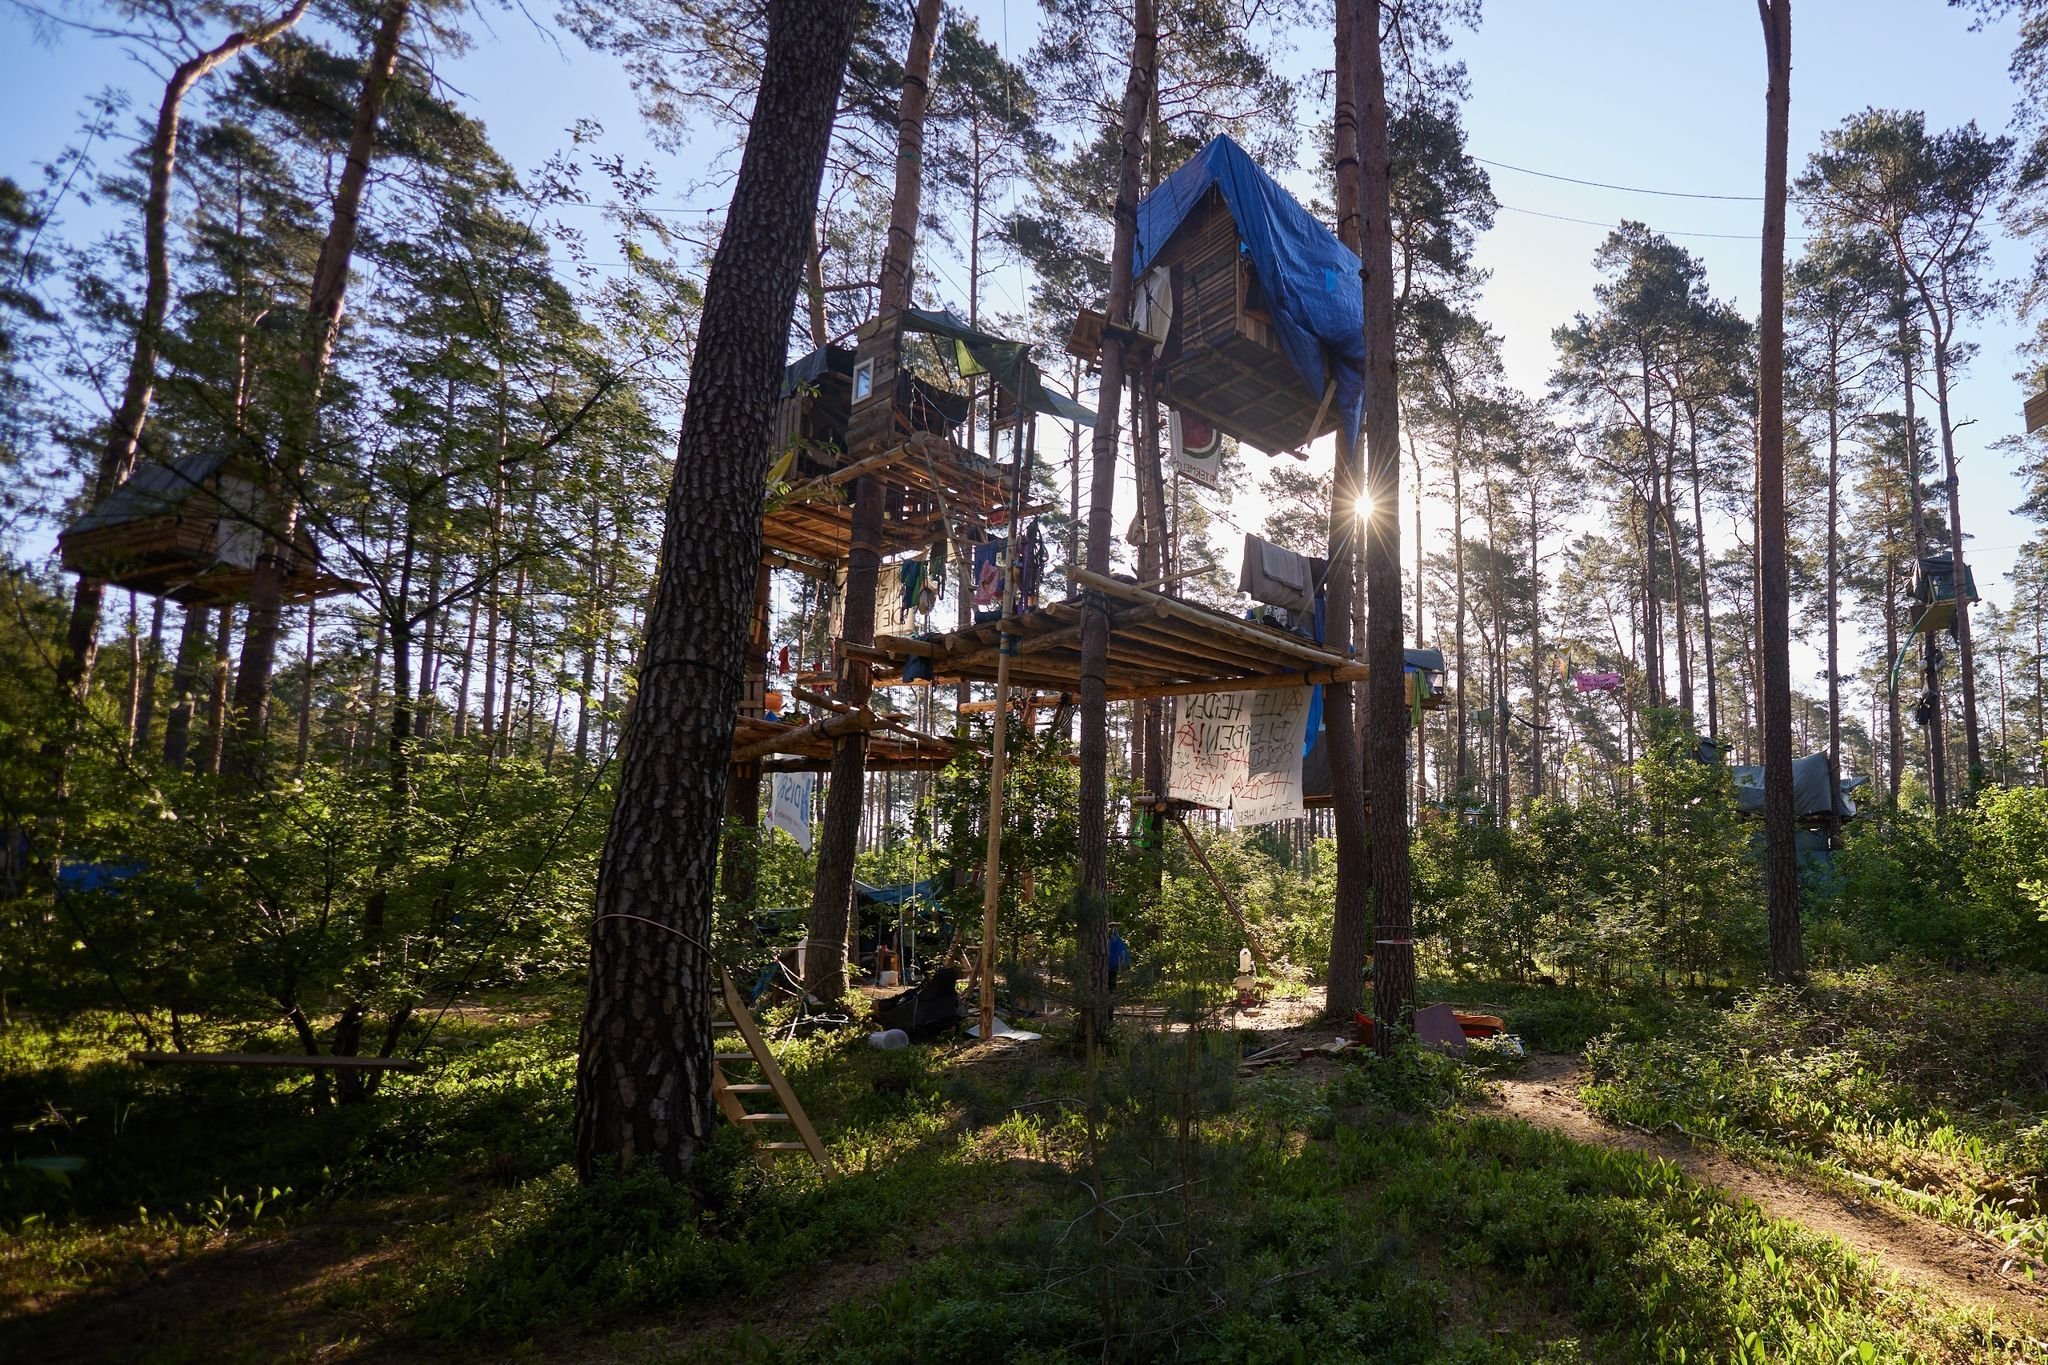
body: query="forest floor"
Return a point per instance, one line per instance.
(1468, 1212)
(1949, 1264)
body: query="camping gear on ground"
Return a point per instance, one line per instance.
(925, 1011)
(1437, 1026)
(1472, 1025)
(889, 1039)
(1002, 1029)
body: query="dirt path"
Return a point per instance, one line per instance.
(1950, 1265)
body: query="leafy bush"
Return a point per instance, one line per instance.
(1929, 1083)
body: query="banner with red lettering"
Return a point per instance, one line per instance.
(1240, 751)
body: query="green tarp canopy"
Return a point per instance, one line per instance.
(977, 352)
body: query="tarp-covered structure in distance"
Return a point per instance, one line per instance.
(1810, 789)
(1310, 279)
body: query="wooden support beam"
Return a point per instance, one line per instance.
(1262, 682)
(830, 728)
(976, 708)
(1271, 641)
(1229, 901)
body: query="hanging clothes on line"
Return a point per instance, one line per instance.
(1276, 575)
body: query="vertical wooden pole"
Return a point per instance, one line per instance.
(999, 762)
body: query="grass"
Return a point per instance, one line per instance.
(1928, 1088)
(1325, 1212)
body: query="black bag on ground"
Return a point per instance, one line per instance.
(927, 1010)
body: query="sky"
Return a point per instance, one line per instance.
(1663, 94)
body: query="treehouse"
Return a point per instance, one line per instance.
(189, 531)
(1933, 587)
(828, 434)
(1253, 309)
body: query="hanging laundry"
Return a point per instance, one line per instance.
(988, 573)
(1276, 575)
(1597, 682)
(1152, 309)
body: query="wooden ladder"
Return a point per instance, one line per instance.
(727, 1091)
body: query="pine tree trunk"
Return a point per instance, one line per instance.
(1091, 908)
(306, 691)
(839, 835)
(184, 684)
(1386, 704)
(323, 328)
(1699, 526)
(217, 704)
(1774, 607)
(1833, 606)
(1966, 654)
(643, 1070)
(146, 711)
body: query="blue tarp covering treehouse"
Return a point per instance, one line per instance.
(1254, 275)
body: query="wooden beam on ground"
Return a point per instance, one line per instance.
(276, 1059)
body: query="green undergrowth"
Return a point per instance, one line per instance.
(1928, 1088)
(1370, 1218)
(1563, 1018)
(110, 1167)
(1358, 1211)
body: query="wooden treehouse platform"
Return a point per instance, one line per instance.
(806, 746)
(928, 483)
(189, 531)
(1159, 646)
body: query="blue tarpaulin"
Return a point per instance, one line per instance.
(1310, 278)
(895, 895)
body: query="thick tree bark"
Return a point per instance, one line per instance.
(1386, 701)
(323, 328)
(1774, 606)
(643, 1072)
(1091, 908)
(124, 431)
(839, 833)
(1351, 926)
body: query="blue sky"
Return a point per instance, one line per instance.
(1665, 94)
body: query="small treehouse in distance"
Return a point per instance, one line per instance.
(1254, 309)
(189, 531)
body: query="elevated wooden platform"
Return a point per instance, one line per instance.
(928, 482)
(1159, 646)
(806, 746)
